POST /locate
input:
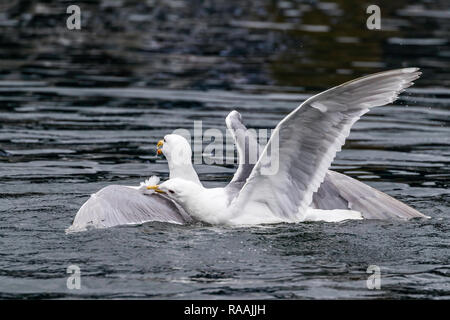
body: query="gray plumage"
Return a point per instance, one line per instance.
(248, 151)
(305, 142)
(120, 205)
(339, 191)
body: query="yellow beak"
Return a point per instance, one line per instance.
(158, 147)
(156, 188)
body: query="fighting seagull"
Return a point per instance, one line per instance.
(118, 205)
(308, 138)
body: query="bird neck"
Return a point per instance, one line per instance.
(183, 171)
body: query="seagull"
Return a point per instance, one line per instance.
(117, 205)
(303, 145)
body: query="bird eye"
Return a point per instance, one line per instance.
(171, 191)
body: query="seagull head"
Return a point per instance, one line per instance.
(208, 205)
(179, 190)
(175, 148)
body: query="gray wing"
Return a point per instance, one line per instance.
(295, 161)
(248, 150)
(339, 191)
(120, 205)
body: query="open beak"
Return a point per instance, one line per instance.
(156, 188)
(159, 146)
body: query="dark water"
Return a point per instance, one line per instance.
(84, 109)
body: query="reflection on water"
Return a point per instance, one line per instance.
(83, 109)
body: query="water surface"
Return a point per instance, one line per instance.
(80, 110)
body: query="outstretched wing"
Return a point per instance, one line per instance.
(339, 191)
(294, 162)
(247, 147)
(120, 205)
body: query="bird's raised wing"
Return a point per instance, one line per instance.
(121, 205)
(294, 162)
(247, 147)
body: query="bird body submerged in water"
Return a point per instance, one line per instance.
(302, 188)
